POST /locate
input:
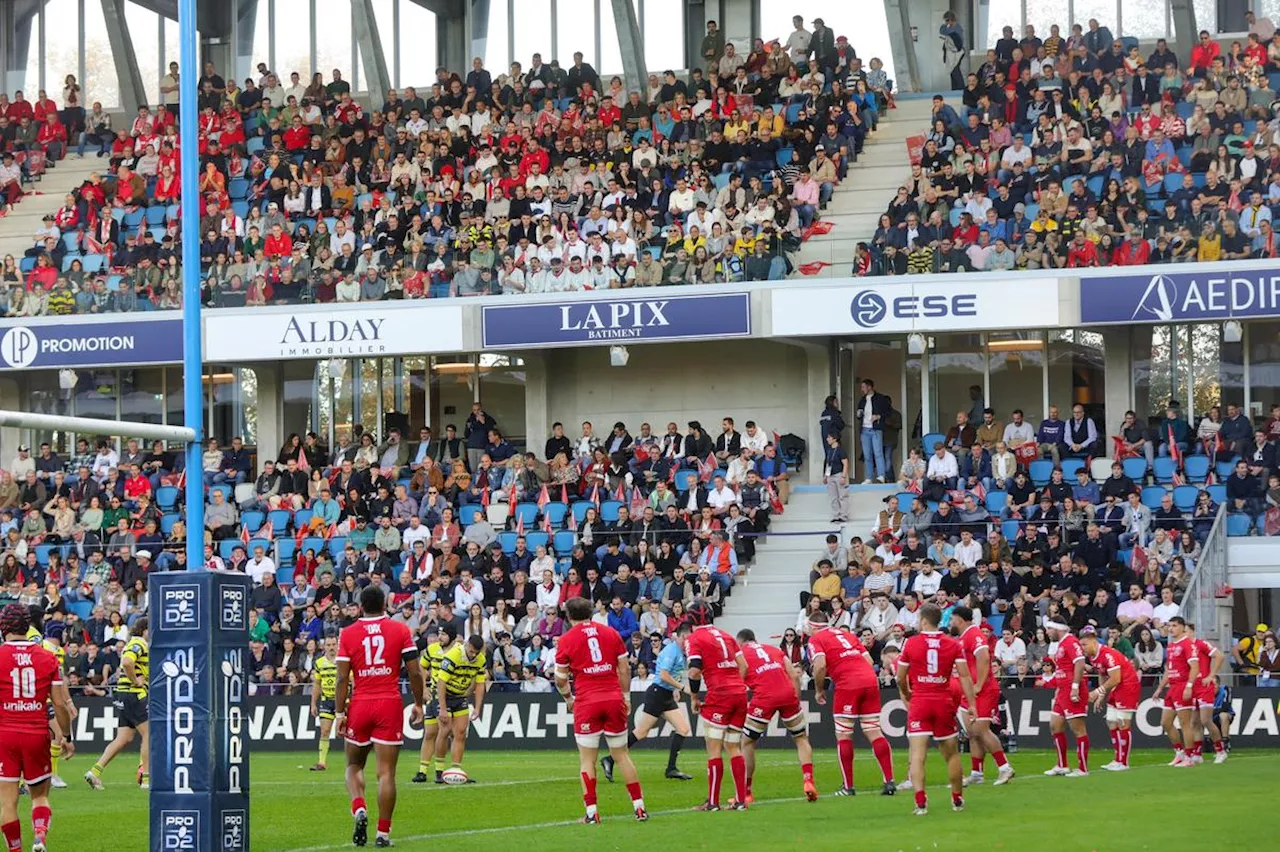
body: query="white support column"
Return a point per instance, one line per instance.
(537, 413)
(1117, 345)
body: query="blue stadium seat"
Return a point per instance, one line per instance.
(71, 242)
(1172, 182)
(508, 542)
(930, 442)
(82, 609)
(783, 156)
(166, 497)
(302, 518)
(686, 479)
(1225, 467)
(1096, 184)
(555, 512)
(534, 540)
(156, 214)
(254, 145)
(905, 498)
(43, 551)
(1040, 470)
(793, 112)
(562, 543)
(226, 546)
(1196, 468)
(280, 519)
(284, 576)
(1238, 525)
(285, 548)
(580, 511)
(1184, 497)
(337, 544)
(1069, 468)
(240, 208)
(1217, 493)
(1009, 529)
(133, 218)
(167, 522)
(1164, 468)
(526, 512)
(27, 264)
(253, 520)
(225, 489)
(468, 513)
(94, 263)
(312, 542)
(1135, 468)
(609, 511)
(996, 501)
(1152, 495)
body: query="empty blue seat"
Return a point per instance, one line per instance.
(1009, 529)
(337, 545)
(1225, 467)
(284, 576)
(526, 513)
(226, 546)
(996, 501)
(1164, 468)
(555, 512)
(313, 543)
(561, 543)
(1135, 468)
(1238, 525)
(302, 518)
(1069, 468)
(1152, 495)
(156, 214)
(1184, 497)
(280, 521)
(285, 548)
(1196, 468)
(1217, 493)
(253, 520)
(580, 511)
(27, 264)
(254, 145)
(468, 513)
(609, 511)
(240, 208)
(784, 156)
(904, 499)
(94, 263)
(167, 522)
(134, 218)
(508, 542)
(71, 242)
(1040, 471)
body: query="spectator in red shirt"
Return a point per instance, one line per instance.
(278, 243)
(20, 108)
(1134, 251)
(1081, 252)
(1203, 54)
(45, 105)
(298, 136)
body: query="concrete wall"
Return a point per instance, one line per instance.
(764, 381)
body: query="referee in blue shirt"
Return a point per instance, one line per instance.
(662, 702)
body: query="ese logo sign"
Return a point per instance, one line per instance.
(868, 308)
(179, 830)
(180, 608)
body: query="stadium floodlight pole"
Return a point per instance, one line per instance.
(192, 372)
(93, 426)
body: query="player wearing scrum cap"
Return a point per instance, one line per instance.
(1070, 701)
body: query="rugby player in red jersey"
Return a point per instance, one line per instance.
(1205, 693)
(594, 678)
(1119, 688)
(368, 708)
(29, 677)
(837, 654)
(924, 682)
(775, 689)
(977, 646)
(1070, 701)
(714, 653)
(1181, 671)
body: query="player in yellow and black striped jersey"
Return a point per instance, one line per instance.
(324, 689)
(461, 676)
(130, 702)
(53, 644)
(429, 662)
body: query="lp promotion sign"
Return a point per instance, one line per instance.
(198, 708)
(90, 344)
(963, 303)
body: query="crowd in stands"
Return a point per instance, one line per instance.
(457, 528)
(1060, 521)
(1074, 151)
(540, 179)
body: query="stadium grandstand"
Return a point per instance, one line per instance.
(509, 303)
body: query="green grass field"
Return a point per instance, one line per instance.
(529, 800)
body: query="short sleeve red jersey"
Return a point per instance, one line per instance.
(971, 642)
(1066, 656)
(928, 659)
(767, 673)
(1204, 653)
(28, 674)
(846, 664)
(375, 648)
(715, 652)
(1108, 660)
(1177, 659)
(590, 653)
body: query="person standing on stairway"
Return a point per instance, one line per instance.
(835, 473)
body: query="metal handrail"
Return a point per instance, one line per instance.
(1200, 603)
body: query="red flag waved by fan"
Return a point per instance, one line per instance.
(1175, 452)
(484, 498)
(543, 498)
(519, 524)
(266, 531)
(303, 464)
(706, 468)
(637, 503)
(979, 494)
(330, 532)
(564, 493)
(298, 537)
(775, 502)
(244, 535)
(621, 494)
(1121, 450)
(546, 524)
(1027, 453)
(1138, 559)
(595, 495)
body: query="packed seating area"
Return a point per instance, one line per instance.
(654, 529)
(1057, 521)
(540, 179)
(1070, 151)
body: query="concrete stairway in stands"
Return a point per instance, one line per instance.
(769, 599)
(17, 230)
(858, 202)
